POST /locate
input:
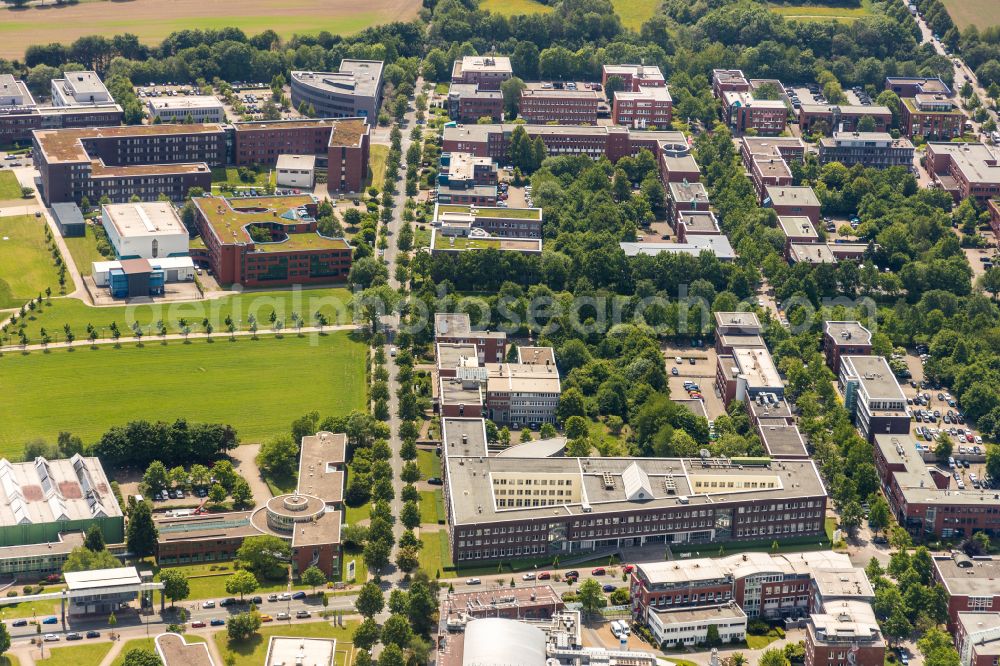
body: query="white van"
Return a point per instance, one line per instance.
(620, 628)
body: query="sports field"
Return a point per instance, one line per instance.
(152, 20)
(26, 267)
(257, 386)
(821, 11)
(332, 302)
(980, 13)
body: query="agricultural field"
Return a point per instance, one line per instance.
(514, 7)
(980, 13)
(333, 302)
(84, 250)
(152, 20)
(633, 13)
(258, 386)
(27, 268)
(253, 652)
(822, 12)
(9, 187)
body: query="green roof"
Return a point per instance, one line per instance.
(464, 243)
(494, 212)
(229, 219)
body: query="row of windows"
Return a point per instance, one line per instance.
(500, 552)
(778, 529)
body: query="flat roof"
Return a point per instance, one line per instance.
(717, 244)
(580, 92)
(487, 63)
(455, 391)
(459, 325)
(101, 578)
(66, 145)
(782, 441)
(84, 82)
(771, 145)
(969, 576)
(880, 139)
(325, 529)
(204, 527)
(772, 166)
(287, 650)
(450, 354)
(229, 218)
(184, 102)
(755, 364)
(791, 195)
(463, 165)
(797, 225)
(847, 332)
(15, 89)
(472, 90)
(686, 163)
(761, 408)
(687, 192)
(442, 242)
(655, 93)
(847, 109)
(296, 162)
(730, 611)
(487, 212)
(984, 630)
(321, 466)
(848, 582)
(746, 98)
(487, 601)
(693, 571)
(811, 253)
(46, 491)
(927, 84)
(143, 219)
(875, 375)
(694, 405)
(729, 76)
(528, 355)
(844, 622)
(174, 650)
(975, 161)
(356, 77)
(744, 320)
(522, 378)
(651, 72)
(698, 220)
(916, 482)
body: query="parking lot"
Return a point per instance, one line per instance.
(701, 371)
(252, 96)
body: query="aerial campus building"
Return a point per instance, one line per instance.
(20, 114)
(507, 507)
(354, 91)
(258, 241)
(46, 507)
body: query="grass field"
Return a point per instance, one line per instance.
(37, 609)
(980, 13)
(9, 660)
(822, 12)
(91, 653)
(634, 13)
(432, 507)
(257, 386)
(148, 644)
(9, 187)
(514, 7)
(435, 556)
(252, 652)
(376, 160)
(429, 463)
(230, 176)
(206, 583)
(333, 302)
(152, 20)
(26, 267)
(84, 250)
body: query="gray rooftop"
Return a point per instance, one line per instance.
(875, 375)
(783, 441)
(358, 77)
(798, 226)
(847, 332)
(811, 253)
(788, 195)
(717, 244)
(917, 485)
(981, 579)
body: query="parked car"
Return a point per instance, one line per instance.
(74, 636)
(609, 588)
(229, 601)
(51, 638)
(628, 568)
(284, 596)
(435, 481)
(19, 623)
(599, 571)
(197, 624)
(51, 620)
(528, 576)
(272, 597)
(208, 604)
(473, 581)
(299, 595)
(283, 616)
(266, 618)
(302, 614)
(217, 622)
(572, 573)
(545, 575)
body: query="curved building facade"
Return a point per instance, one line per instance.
(354, 91)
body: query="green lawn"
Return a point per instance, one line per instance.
(230, 176)
(148, 644)
(421, 237)
(26, 267)
(761, 642)
(37, 609)
(980, 13)
(257, 386)
(429, 463)
(87, 653)
(9, 660)
(334, 302)
(634, 13)
(9, 187)
(252, 652)
(377, 156)
(514, 7)
(435, 556)
(84, 250)
(432, 507)
(360, 568)
(821, 12)
(206, 583)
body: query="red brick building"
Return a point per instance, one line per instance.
(993, 205)
(633, 76)
(964, 169)
(845, 633)
(845, 338)
(456, 328)
(567, 104)
(931, 116)
(268, 241)
(972, 585)
(729, 80)
(468, 102)
(648, 107)
(488, 71)
(768, 160)
(978, 639)
(842, 117)
(793, 201)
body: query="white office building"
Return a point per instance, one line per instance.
(146, 230)
(196, 108)
(79, 89)
(298, 171)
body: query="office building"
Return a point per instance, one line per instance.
(79, 89)
(728, 80)
(927, 501)
(121, 162)
(540, 506)
(456, 328)
(186, 108)
(911, 86)
(931, 116)
(341, 146)
(736, 329)
(69, 220)
(296, 171)
(811, 253)
(561, 103)
(257, 241)
(768, 160)
(688, 627)
(964, 169)
(676, 168)
(797, 229)
(782, 441)
(130, 278)
(633, 77)
(696, 223)
(355, 91)
(873, 397)
(845, 338)
(971, 583)
(20, 115)
(693, 246)
(793, 201)
(102, 591)
(844, 633)
(743, 112)
(648, 107)
(978, 639)
(468, 102)
(145, 230)
(450, 239)
(763, 585)
(467, 180)
(747, 372)
(686, 196)
(829, 118)
(870, 149)
(487, 72)
(501, 222)
(533, 602)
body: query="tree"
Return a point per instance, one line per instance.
(774, 657)
(376, 554)
(225, 474)
(590, 596)
(943, 446)
(313, 577)
(896, 626)
(367, 634)
(141, 657)
(279, 456)
(370, 601)
(937, 648)
(242, 494)
(241, 582)
(511, 90)
(141, 534)
(4, 638)
(156, 478)
(217, 494)
(850, 517)
(548, 431)
(712, 638)
(392, 655)
(396, 631)
(990, 282)
(264, 555)
(243, 626)
(576, 427)
(175, 585)
(879, 514)
(82, 559)
(410, 515)
(94, 542)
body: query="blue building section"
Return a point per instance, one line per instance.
(136, 278)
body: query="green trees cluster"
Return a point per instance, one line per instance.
(138, 443)
(913, 601)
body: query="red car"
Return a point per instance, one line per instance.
(545, 575)
(197, 624)
(599, 571)
(628, 568)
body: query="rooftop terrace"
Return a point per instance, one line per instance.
(229, 218)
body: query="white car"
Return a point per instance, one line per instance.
(208, 604)
(528, 576)
(281, 616)
(473, 581)
(284, 596)
(51, 638)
